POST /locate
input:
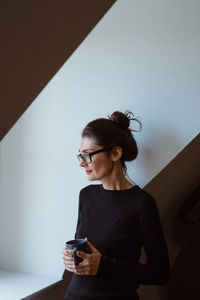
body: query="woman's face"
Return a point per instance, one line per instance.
(101, 164)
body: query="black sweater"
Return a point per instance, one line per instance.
(118, 223)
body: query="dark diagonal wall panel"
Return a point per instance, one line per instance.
(37, 37)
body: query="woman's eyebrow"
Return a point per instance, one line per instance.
(85, 150)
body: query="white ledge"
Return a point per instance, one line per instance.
(17, 285)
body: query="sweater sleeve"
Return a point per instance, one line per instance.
(156, 270)
(79, 215)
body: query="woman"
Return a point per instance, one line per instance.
(116, 218)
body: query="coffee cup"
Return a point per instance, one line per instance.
(78, 245)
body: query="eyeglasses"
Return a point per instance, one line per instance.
(87, 157)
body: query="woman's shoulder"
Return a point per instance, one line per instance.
(90, 188)
(146, 199)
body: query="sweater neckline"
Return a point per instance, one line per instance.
(118, 191)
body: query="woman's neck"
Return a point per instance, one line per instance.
(117, 184)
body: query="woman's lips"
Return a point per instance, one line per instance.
(88, 171)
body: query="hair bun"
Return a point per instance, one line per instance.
(123, 120)
(120, 119)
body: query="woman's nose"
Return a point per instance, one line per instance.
(83, 163)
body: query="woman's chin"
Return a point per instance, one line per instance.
(91, 178)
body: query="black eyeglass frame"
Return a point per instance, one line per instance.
(81, 156)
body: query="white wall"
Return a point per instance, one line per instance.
(142, 56)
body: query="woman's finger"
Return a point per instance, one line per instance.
(66, 255)
(67, 258)
(70, 269)
(67, 252)
(70, 259)
(69, 265)
(64, 251)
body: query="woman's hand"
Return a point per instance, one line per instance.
(68, 260)
(89, 265)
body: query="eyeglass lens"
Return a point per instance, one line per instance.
(86, 158)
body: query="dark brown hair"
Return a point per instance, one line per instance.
(115, 131)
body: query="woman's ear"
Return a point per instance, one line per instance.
(116, 153)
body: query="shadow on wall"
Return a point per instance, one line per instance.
(176, 190)
(185, 273)
(37, 39)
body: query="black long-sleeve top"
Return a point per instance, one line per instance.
(118, 223)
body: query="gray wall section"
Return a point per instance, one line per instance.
(36, 39)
